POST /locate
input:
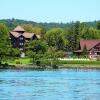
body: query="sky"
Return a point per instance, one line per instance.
(50, 10)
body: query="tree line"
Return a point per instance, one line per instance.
(53, 43)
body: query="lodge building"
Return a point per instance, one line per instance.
(19, 37)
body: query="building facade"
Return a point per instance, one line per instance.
(93, 48)
(19, 37)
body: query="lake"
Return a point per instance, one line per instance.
(63, 84)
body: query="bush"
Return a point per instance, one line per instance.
(17, 62)
(38, 63)
(54, 66)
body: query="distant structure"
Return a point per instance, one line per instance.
(19, 37)
(93, 48)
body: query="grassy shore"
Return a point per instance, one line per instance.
(79, 62)
(61, 63)
(21, 61)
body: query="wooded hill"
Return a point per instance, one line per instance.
(12, 23)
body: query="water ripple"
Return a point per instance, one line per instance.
(50, 85)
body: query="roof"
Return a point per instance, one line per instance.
(89, 43)
(19, 29)
(25, 34)
(28, 35)
(15, 34)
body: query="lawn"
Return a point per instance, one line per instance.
(27, 61)
(15, 61)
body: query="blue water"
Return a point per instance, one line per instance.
(50, 85)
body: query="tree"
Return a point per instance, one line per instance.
(76, 32)
(54, 55)
(4, 41)
(14, 52)
(90, 33)
(31, 54)
(38, 30)
(6, 50)
(98, 25)
(73, 37)
(55, 37)
(85, 51)
(37, 46)
(60, 54)
(28, 27)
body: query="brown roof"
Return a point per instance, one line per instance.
(89, 43)
(28, 35)
(25, 34)
(19, 29)
(15, 34)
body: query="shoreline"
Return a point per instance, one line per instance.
(35, 67)
(81, 67)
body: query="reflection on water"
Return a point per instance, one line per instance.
(50, 85)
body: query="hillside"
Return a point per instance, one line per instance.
(11, 23)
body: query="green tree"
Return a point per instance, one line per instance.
(85, 51)
(14, 52)
(54, 55)
(28, 27)
(38, 30)
(73, 37)
(37, 46)
(90, 33)
(55, 37)
(98, 25)
(77, 34)
(31, 54)
(4, 41)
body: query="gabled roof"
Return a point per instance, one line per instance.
(89, 43)
(19, 29)
(15, 34)
(28, 35)
(25, 34)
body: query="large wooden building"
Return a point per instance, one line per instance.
(19, 37)
(93, 48)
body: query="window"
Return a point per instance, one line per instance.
(21, 38)
(21, 44)
(95, 53)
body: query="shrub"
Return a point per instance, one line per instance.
(17, 62)
(38, 63)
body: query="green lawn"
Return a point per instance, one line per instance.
(26, 61)
(23, 61)
(90, 62)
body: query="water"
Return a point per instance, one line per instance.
(50, 85)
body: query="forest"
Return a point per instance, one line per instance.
(56, 38)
